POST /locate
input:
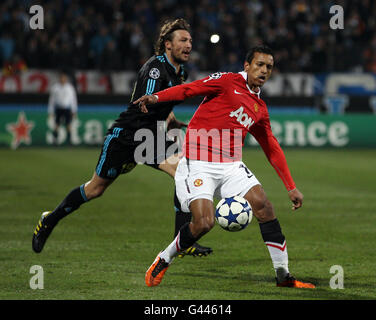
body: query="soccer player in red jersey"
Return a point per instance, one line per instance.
(212, 164)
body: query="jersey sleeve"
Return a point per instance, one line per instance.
(152, 78)
(263, 134)
(210, 85)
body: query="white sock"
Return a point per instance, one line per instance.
(171, 251)
(280, 259)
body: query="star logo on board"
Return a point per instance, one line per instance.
(20, 130)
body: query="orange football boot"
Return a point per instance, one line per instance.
(291, 282)
(156, 271)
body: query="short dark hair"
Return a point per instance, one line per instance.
(261, 49)
(167, 29)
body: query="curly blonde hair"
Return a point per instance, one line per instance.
(167, 29)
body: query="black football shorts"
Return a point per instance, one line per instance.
(63, 116)
(118, 154)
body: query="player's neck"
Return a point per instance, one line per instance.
(173, 62)
(254, 88)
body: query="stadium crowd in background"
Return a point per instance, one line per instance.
(119, 35)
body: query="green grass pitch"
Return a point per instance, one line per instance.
(103, 250)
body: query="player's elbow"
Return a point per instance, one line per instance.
(187, 93)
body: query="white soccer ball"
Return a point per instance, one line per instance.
(233, 214)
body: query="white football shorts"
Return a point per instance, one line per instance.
(195, 179)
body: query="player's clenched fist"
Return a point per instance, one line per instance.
(297, 198)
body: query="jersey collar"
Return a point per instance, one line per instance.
(244, 75)
(169, 62)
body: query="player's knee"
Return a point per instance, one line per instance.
(264, 210)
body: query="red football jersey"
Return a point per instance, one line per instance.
(228, 112)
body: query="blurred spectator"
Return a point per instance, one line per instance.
(120, 34)
(319, 55)
(110, 62)
(111, 59)
(370, 56)
(98, 43)
(6, 47)
(234, 64)
(62, 105)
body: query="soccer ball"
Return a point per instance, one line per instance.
(233, 214)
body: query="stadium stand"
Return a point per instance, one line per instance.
(119, 35)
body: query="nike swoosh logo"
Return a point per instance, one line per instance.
(237, 92)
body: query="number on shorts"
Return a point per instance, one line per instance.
(249, 174)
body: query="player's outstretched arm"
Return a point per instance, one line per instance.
(207, 86)
(276, 157)
(145, 100)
